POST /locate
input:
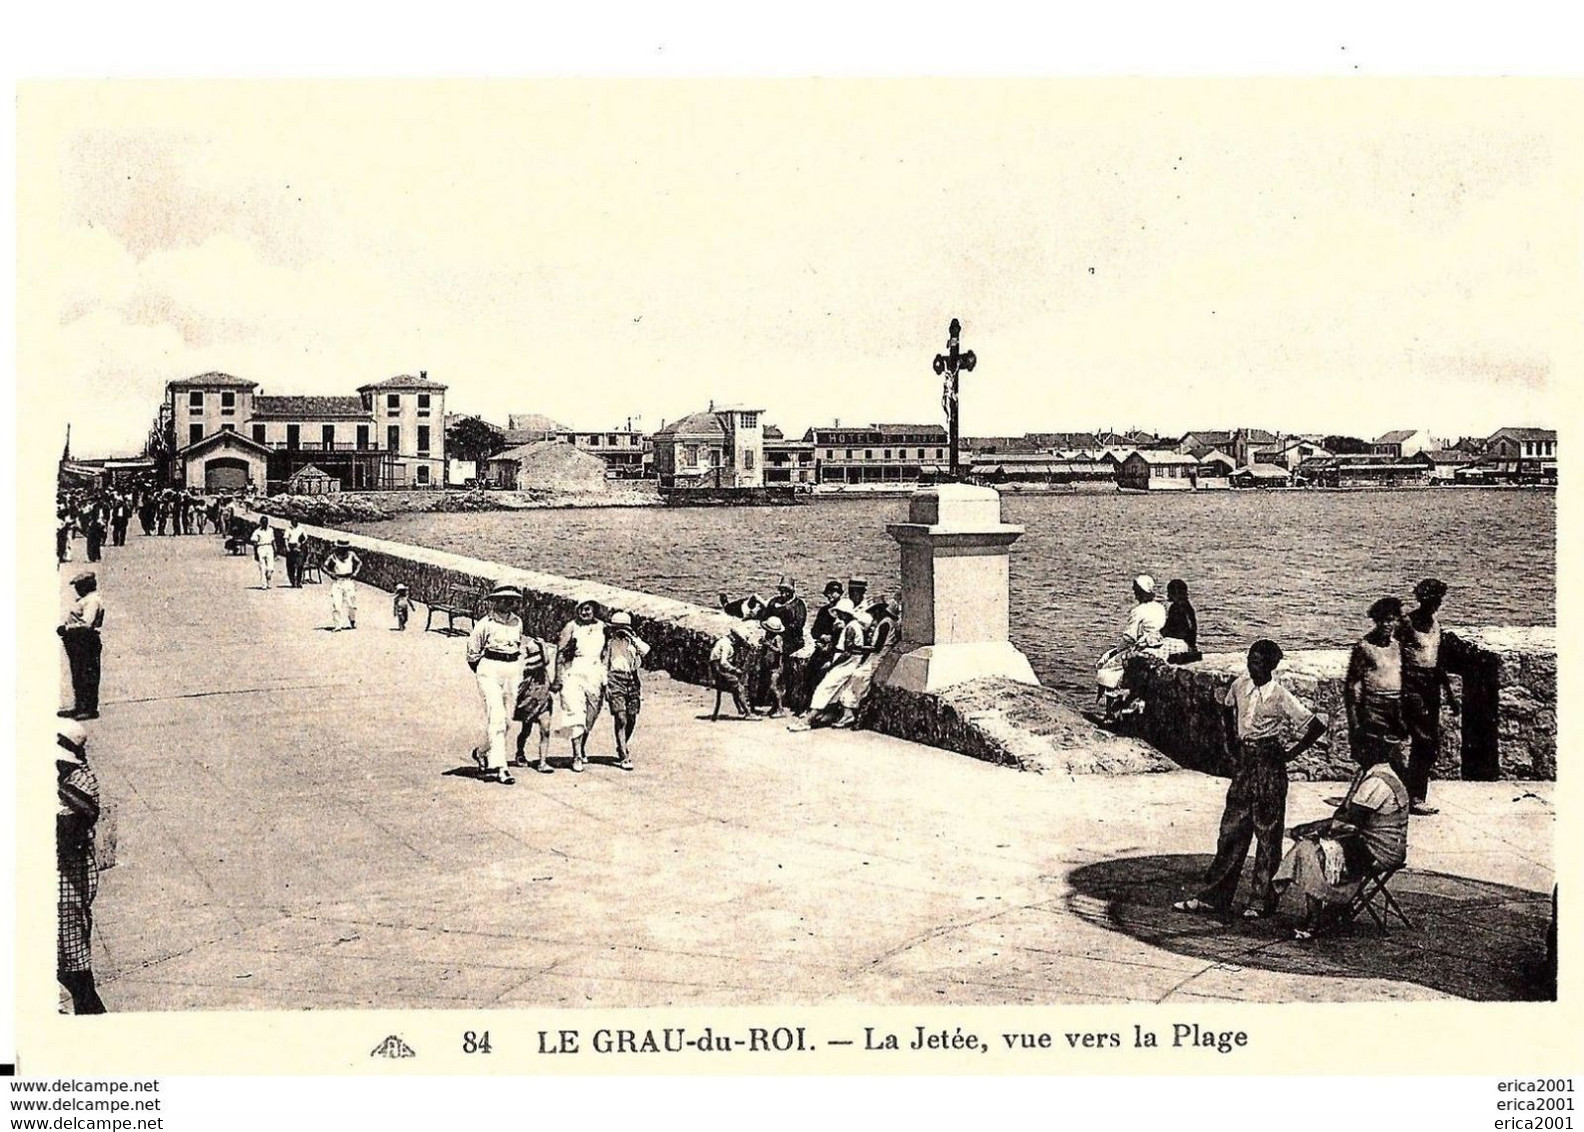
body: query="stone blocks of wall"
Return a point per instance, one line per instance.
(1009, 723)
(1503, 675)
(1523, 663)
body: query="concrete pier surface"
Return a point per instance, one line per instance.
(298, 830)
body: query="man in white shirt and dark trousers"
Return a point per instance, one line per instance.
(296, 554)
(1258, 709)
(79, 633)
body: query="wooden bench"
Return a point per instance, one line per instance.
(459, 601)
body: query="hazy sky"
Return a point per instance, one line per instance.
(1310, 256)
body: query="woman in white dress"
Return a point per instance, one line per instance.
(1141, 637)
(879, 636)
(827, 708)
(579, 682)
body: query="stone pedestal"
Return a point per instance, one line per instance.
(955, 592)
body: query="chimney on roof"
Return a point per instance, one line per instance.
(712, 405)
(423, 375)
(836, 422)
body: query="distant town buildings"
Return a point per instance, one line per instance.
(788, 461)
(1158, 469)
(224, 433)
(879, 453)
(717, 448)
(228, 434)
(1403, 442)
(625, 450)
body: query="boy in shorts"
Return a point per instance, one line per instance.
(624, 653)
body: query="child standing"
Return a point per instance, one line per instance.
(624, 653)
(533, 702)
(401, 606)
(1256, 802)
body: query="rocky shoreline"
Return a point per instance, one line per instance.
(377, 506)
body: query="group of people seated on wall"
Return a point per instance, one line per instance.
(819, 669)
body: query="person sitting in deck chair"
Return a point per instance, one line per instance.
(1330, 858)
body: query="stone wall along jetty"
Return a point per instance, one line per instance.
(1505, 676)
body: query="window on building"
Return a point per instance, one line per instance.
(690, 454)
(228, 402)
(392, 404)
(887, 454)
(362, 436)
(611, 440)
(940, 453)
(748, 460)
(258, 433)
(195, 399)
(849, 453)
(423, 440)
(194, 432)
(393, 437)
(423, 473)
(830, 453)
(750, 420)
(423, 404)
(293, 435)
(327, 435)
(593, 440)
(868, 453)
(715, 457)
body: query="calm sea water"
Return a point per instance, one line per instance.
(1298, 567)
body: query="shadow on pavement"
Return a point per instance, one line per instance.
(1470, 938)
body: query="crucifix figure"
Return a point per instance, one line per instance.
(947, 365)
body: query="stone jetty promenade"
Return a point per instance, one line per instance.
(297, 831)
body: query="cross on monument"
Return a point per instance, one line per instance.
(947, 365)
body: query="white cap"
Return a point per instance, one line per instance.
(70, 731)
(1145, 583)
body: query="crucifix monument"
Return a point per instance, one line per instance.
(956, 572)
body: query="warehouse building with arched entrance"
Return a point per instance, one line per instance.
(223, 462)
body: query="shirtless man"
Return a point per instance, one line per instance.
(1423, 680)
(1373, 690)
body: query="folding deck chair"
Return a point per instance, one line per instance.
(1373, 890)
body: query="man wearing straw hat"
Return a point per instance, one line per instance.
(792, 612)
(495, 654)
(342, 564)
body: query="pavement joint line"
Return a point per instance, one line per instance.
(228, 692)
(580, 944)
(519, 985)
(202, 878)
